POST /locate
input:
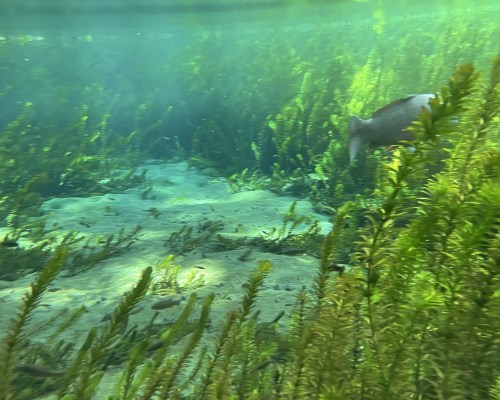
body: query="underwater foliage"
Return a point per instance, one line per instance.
(283, 116)
(76, 159)
(83, 253)
(414, 315)
(298, 234)
(406, 300)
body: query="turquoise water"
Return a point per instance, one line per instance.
(262, 88)
(165, 69)
(184, 135)
(236, 63)
(265, 87)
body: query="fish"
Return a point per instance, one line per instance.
(388, 125)
(9, 243)
(166, 303)
(38, 371)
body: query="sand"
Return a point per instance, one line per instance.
(179, 196)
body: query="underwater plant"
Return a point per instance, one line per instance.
(405, 304)
(83, 252)
(298, 234)
(166, 280)
(414, 315)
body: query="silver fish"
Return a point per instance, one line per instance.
(388, 125)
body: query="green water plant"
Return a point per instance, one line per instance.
(83, 252)
(413, 315)
(188, 238)
(87, 252)
(298, 234)
(301, 130)
(11, 344)
(427, 289)
(166, 279)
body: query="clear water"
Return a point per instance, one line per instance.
(135, 47)
(163, 69)
(229, 85)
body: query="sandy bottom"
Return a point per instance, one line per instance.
(179, 196)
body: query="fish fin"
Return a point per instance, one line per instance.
(427, 96)
(355, 124)
(393, 104)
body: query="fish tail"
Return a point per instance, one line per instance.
(355, 124)
(355, 139)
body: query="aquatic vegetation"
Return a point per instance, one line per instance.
(12, 342)
(284, 115)
(94, 249)
(302, 129)
(298, 235)
(248, 180)
(166, 278)
(414, 315)
(406, 298)
(82, 253)
(77, 159)
(189, 238)
(15, 262)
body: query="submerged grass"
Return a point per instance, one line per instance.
(416, 316)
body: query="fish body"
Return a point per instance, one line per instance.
(166, 303)
(9, 243)
(388, 125)
(37, 370)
